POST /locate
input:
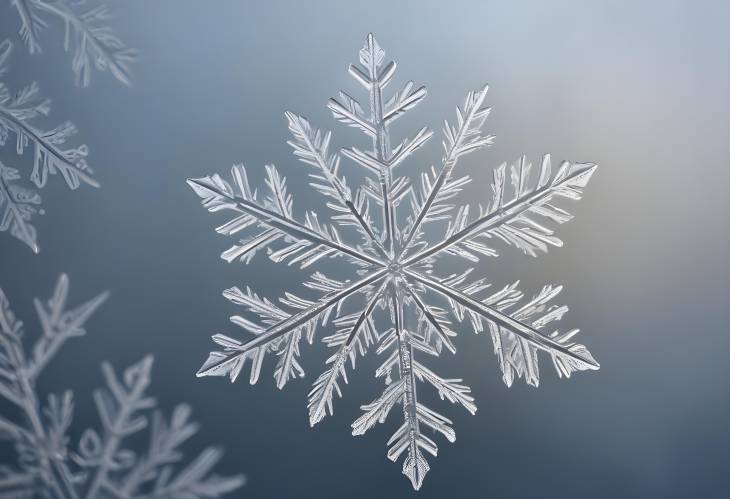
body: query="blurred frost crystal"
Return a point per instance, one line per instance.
(394, 272)
(93, 46)
(87, 36)
(19, 113)
(102, 465)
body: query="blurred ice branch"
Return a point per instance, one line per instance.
(19, 113)
(93, 45)
(87, 36)
(103, 465)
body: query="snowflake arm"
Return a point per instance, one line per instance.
(409, 436)
(567, 356)
(311, 148)
(232, 360)
(348, 337)
(16, 113)
(434, 319)
(510, 221)
(382, 160)
(312, 240)
(375, 80)
(459, 140)
(48, 157)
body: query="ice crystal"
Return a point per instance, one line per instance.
(394, 265)
(103, 465)
(18, 115)
(87, 36)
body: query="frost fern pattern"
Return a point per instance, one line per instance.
(103, 466)
(394, 278)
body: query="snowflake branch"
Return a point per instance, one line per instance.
(46, 151)
(56, 474)
(371, 56)
(191, 482)
(449, 389)
(443, 334)
(109, 469)
(311, 148)
(117, 414)
(30, 23)
(17, 206)
(409, 435)
(95, 44)
(465, 139)
(321, 395)
(519, 328)
(214, 195)
(231, 362)
(568, 182)
(351, 114)
(16, 112)
(59, 324)
(165, 441)
(403, 101)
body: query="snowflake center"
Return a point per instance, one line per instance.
(394, 267)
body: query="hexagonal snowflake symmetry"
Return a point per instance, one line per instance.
(393, 273)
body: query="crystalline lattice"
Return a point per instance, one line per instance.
(102, 465)
(393, 265)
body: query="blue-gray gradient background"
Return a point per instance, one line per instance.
(643, 89)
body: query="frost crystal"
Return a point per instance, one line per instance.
(18, 113)
(103, 466)
(394, 265)
(93, 44)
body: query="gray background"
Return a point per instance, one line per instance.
(640, 88)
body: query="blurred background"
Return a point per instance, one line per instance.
(642, 89)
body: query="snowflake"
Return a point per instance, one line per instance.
(394, 265)
(104, 466)
(93, 43)
(18, 113)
